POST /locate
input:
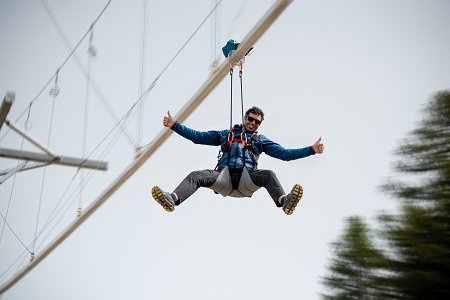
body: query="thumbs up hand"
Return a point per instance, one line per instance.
(168, 120)
(318, 146)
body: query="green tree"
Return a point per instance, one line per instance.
(416, 262)
(354, 268)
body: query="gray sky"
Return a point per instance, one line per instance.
(355, 72)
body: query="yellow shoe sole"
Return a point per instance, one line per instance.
(158, 195)
(297, 194)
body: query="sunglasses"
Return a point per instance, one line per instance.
(251, 119)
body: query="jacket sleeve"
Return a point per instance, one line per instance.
(212, 137)
(277, 151)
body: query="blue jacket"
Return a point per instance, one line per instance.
(260, 144)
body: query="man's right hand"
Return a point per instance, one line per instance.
(168, 120)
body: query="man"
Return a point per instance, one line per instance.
(241, 148)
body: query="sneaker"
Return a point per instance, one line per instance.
(166, 200)
(291, 200)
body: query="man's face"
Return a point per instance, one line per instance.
(252, 122)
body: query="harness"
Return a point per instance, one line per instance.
(232, 181)
(247, 143)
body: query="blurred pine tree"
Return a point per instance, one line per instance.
(416, 262)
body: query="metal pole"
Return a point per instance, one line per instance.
(6, 106)
(30, 139)
(268, 19)
(57, 160)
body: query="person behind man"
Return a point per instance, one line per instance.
(236, 157)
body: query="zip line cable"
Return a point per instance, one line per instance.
(231, 94)
(60, 67)
(231, 100)
(242, 93)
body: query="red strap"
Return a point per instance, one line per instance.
(243, 142)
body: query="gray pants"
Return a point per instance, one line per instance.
(206, 178)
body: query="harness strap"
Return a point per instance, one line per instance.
(243, 140)
(231, 99)
(242, 94)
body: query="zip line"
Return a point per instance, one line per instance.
(251, 38)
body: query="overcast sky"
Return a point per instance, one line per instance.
(355, 72)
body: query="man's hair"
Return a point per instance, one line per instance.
(255, 110)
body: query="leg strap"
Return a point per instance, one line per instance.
(224, 186)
